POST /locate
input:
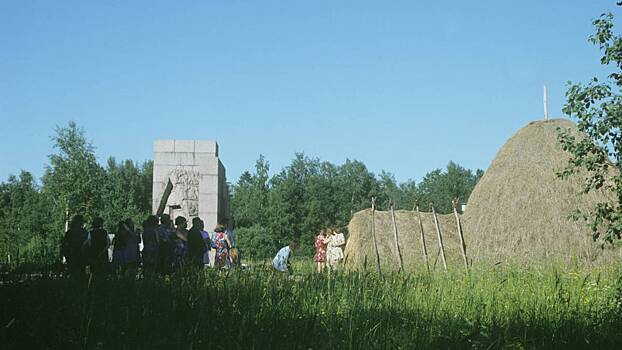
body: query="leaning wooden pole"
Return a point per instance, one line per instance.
(397, 244)
(462, 244)
(373, 232)
(440, 237)
(423, 246)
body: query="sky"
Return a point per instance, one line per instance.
(403, 86)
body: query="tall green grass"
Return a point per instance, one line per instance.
(494, 307)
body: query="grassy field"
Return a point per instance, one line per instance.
(496, 307)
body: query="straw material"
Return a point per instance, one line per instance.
(360, 253)
(519, 210)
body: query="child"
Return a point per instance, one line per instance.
(281, 260)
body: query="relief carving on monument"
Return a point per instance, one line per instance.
(185, 191)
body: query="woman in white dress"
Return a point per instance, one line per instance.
(333, 252)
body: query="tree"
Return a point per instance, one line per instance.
(353, 187)
(249, 198)
(256, 242)
(441, 187)
(250, 206)
(73, 180)
(286, 202)
(127, 192)
(388, 190)
(22, 217)
(32, 218)
(597, 106)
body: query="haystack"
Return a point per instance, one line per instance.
(519, 210)
(360, 253)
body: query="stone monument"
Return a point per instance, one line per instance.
(189, 180)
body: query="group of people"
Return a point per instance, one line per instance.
(166, 247)
(328, 251)
(162, 247)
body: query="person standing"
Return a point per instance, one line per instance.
(181, 241)
(73, 247)
(119, 248)
(208, 246)
(196, 244)
(222, 244)
(151, 246)
(98, 250)
(334, 253)
(166, 248)
(232, 253)
(320, 251)
(230, 236)
(132, 253)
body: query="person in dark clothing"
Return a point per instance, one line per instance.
(73, 246)
(181, 242)
(132, 251)
(119, 243)
(98, 250)
(151, 241)
(196, 244)
(165, 249)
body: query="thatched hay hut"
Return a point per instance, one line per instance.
(360, 253)
(519, 210)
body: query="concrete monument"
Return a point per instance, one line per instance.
(189, 180)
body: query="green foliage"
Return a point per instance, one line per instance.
(309, 195)
(597, 106)
(22, 224)
(441, 187)
(32, 218)
(255, 242)
(251, 196)
(126, 192)
(72, 181)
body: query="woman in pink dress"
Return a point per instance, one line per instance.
(320, 251)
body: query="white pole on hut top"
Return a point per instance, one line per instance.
(546, 107)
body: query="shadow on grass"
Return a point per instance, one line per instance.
(249, 312)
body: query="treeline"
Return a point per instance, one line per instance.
(298, 201)
(309, 195)
(33, 214)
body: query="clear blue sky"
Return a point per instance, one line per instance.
(404, 86)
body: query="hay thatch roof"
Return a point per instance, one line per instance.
(520, 209)
(360, 253)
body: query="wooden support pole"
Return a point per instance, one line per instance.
(440, 237)
(397, 244)
(546, 105)
(66, 219)
(462, 244)
(423, 246)
(164, 199)
(373, 232)
(63, 259)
